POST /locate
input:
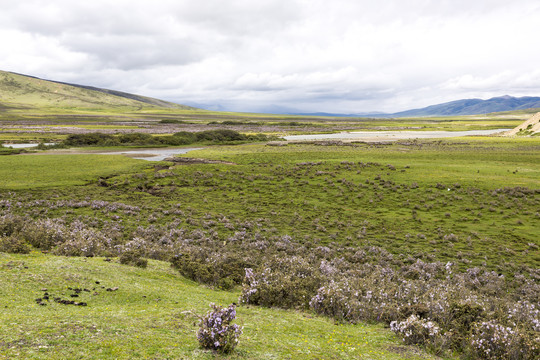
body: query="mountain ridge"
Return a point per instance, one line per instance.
(474, 106)
(453, 108)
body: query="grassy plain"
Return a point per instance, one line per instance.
(32, 172)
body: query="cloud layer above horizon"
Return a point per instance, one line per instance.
(271, 55)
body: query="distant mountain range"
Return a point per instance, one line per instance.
(474, 106)
(458, 107)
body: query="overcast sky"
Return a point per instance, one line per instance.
(341, 56)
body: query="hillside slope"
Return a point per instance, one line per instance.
(134, 313)
(528, 127)
(474, 107)
(22, 91)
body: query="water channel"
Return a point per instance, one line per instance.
(151, 154)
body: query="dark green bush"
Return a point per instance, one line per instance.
(10, 224)
(133, 258)
(224, 271)
(462, 317)
(14, 245)
(91, 139)
(138, 139)
(220, 135)
(177, 139)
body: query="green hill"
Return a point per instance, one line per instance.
(21, 91)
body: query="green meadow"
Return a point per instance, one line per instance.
(32, 172)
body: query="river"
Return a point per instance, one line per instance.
(391, 135)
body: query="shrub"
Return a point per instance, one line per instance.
(220, 135)
(288, 282)
(134, 258)
(10, 224)
(45, 234)
(221, 270)
(216, 331)
(337, 301)
(14, 245)
(91, 139)
(491, 340)
(461, 317)
(415, 330)
(137, 139)
(85, 242)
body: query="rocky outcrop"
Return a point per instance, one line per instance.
(529, 127)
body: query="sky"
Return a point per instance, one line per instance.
(339, 56)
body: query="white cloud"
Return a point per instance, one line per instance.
(314, 55)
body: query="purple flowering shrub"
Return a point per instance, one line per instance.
(338, 301)
(286, 282)
(46, 233)
(415, 330)
(491, 340)
(216, 331)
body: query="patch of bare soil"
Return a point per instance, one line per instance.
(532, 125)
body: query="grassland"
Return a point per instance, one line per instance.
(152, 315)
(32, 172)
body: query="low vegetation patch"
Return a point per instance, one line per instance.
(222, 136)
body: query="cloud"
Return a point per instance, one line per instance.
(313, 55)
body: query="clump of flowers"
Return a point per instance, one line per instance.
(415, 330)
(216, 331)
(491, 340)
